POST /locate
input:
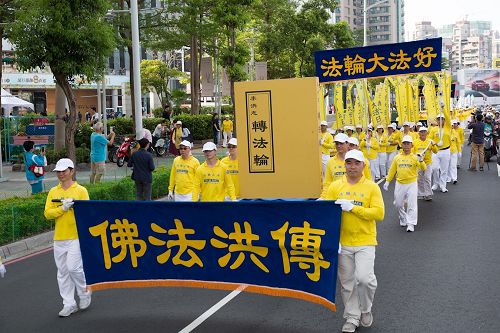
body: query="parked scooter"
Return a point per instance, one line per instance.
(489, 145)
(161, 147)
(125, 151)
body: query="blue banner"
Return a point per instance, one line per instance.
(47, 129)
(379, 60)
(275, 247)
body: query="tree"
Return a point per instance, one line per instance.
(155, 74)
(71, 38)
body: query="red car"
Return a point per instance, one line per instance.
(480, 85)
(495, 85)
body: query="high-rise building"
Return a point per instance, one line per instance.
(424, 30)
(385, 21)
(472, 45)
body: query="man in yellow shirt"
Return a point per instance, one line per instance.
(67, 255)
(393, 141)
(369, 147)
(383, 142)
(454, 144)
(335, 167)
(227, 130)
(460, 142)
(326, 143)
(362, 205)
(181, 182)
(349, 130)
(231, 164)
(442, 138)
(425, 147)
(211, 181)
(405, 166)
(353, 144)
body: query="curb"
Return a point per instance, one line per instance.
(26, 246)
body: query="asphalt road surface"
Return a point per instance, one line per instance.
(444, 277)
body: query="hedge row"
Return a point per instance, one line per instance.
(23, 217)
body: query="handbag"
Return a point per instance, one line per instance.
(37, 170)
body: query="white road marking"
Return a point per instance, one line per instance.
(198, 321)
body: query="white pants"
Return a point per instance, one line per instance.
(70, 275)
(375, 170)
(390, 157)
(382, 161)
(183, 197)
(452, 167)
(443, 158)
(357, 280)
(406, 193)
(424, 182)
(459, 159)
(227, 136)
(324, 159)
(435, 171)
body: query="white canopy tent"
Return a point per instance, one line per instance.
(9, 102)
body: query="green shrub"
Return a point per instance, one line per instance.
(157, 112)
(82, 135)
(199, 125)
(207, 109)
(122, 125)
(227, 109)
(23, 217)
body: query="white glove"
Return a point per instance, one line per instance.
(321, 141)
(386, 185)
(320, 199)
(170, 195)
(67, 204)
(440, 143)
(420, 158)
(368, 144)
(346, 205)
(235, 200)
(431, 141)
(2, 270)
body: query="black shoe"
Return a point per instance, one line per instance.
(454, 182)
(481, 169)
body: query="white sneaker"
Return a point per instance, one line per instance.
(349, 327)
(85, 302)
(402, 224)
(434, 187)
(444, 190)
(366, 319)
(67, 310)
(410, 228)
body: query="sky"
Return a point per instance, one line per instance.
(441, 12)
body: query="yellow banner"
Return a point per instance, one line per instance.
(339, 104)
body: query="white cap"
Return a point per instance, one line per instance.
(359, 126)
(353, 140)
(440, 116)
(393, 125)
(423, 128)
(226, 116)
(324, 123)
(455, 121)
(63, 164)
(233, 142)
(407, 138)
(419, 124)
(406, 123)
(185, 143)
(209, 146)
(380, 126)
(330, 130)
(178, 122)
(355, 154)
(341, 137)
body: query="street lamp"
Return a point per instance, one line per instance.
(365, 10)
(136, 63)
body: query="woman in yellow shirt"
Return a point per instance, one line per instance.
(369, 146)
(383, 142)
(231, 164)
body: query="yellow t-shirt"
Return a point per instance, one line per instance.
(335, 170)
(370, 153)
(182, 174)
(233, 171)
(65, 221)
(419, 146)
(227, 125)
(358, 226)
(454, 141)
(328, 143)
(393, 140)
(383, 141)
(445, 137)
(212, 183)
(461, 137)
(406, 167)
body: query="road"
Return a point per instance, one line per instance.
(442, 278)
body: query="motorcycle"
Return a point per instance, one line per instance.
(161, 147)
(125, 151)
(489, 145)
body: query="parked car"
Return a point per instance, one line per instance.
(480, 85)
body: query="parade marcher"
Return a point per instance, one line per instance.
(37, 160)
(353, 144)
(227, 130)
(231, 164)
(442, 137)
(369, 147)
(143, 166)
(362, 204)
(425, 147)
(460, 142)
(405, 168)
(383, 142)
(454, 143)
(184, 167)
(477, 127)
(393, 141)
(349, 130)
(67, 255)
(98, 143)
(333, 151)
(335, 167)
(211, 181)
(360, 135)
(326, 143)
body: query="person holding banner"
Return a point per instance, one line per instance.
(67, 255)
(405, 168)
(335, 167)
(393, 141)
(425, 147)
(362, 205)
(442, 137)
(211, 181)
(231, 164)
(326, 143)
(383, 142)
(369, 146)
(181, 183)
